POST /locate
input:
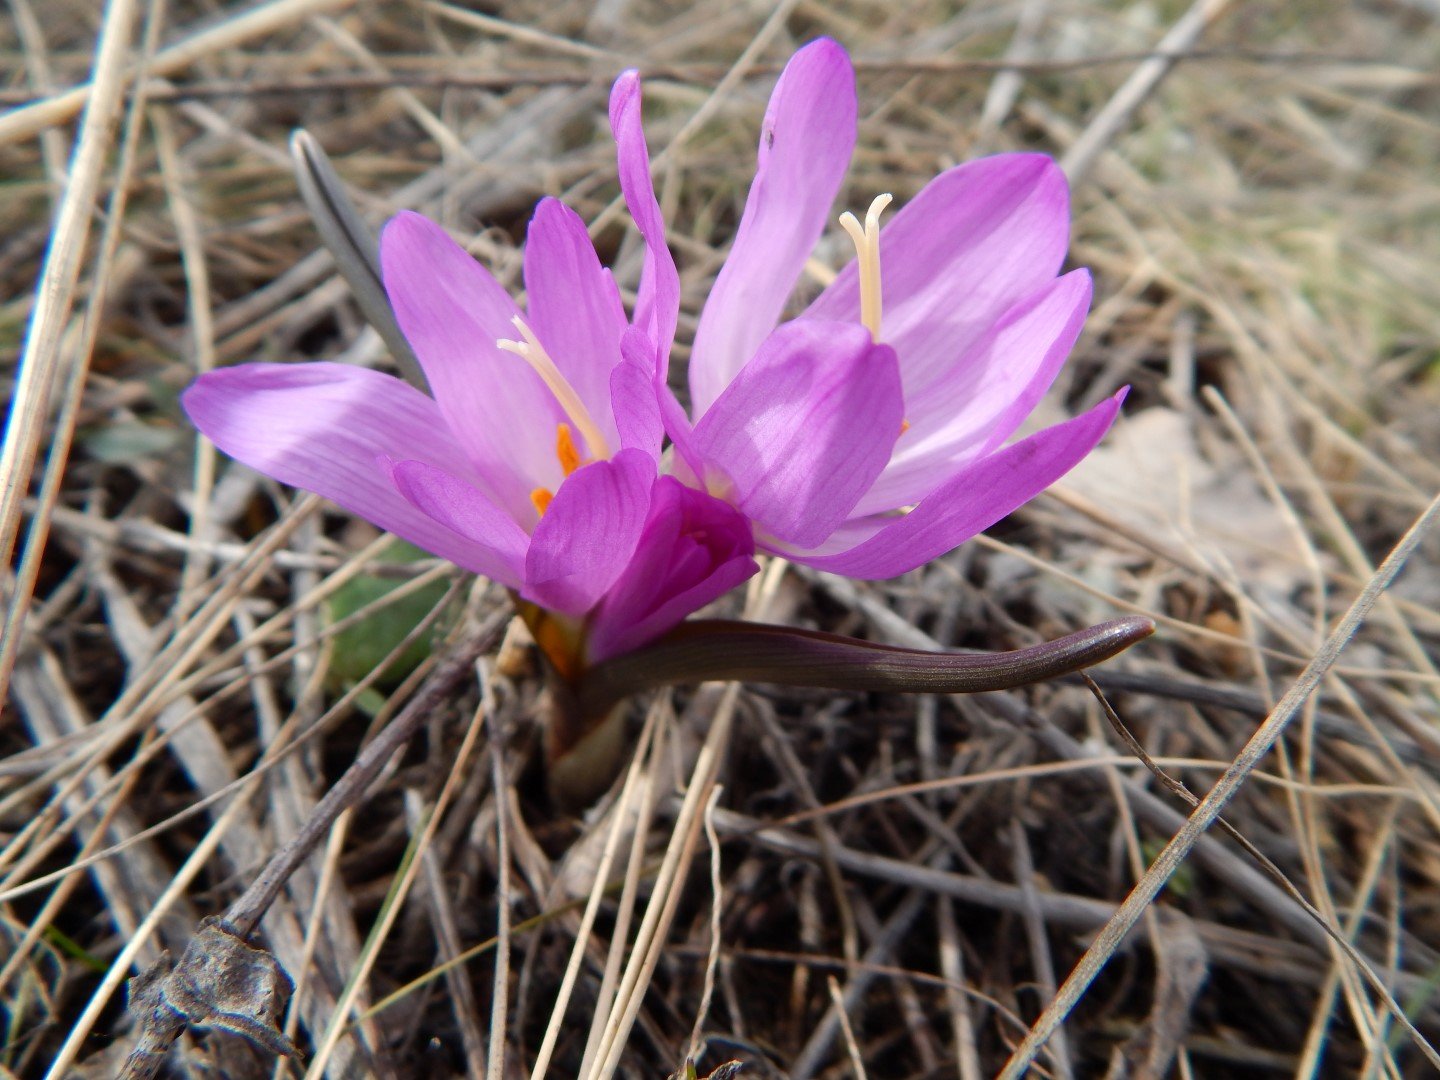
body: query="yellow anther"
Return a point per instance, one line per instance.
(867, 260)
(541, 498)
(565, 450)
(531, 351)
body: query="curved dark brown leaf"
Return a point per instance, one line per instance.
(716, 649)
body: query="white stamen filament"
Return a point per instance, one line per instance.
(867, 260)
(533, 353)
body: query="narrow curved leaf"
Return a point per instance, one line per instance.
(352, 244)
(716, 649)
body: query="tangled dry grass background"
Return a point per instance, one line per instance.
(815, 885)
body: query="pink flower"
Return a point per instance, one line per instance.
(535, 463)
(867, 436)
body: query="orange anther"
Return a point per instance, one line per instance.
(565, 449)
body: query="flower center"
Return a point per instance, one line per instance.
(867, 260)
(570, 460)
(533, 353)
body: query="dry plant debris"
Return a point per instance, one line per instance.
(810, 885)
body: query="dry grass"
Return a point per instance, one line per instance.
(816, 885)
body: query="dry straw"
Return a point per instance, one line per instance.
(889, 887)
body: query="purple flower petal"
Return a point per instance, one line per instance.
(975, 241)
(968, 503)
(573, 306)
(638, 412)
(633, 397)
(588, 533)
(805, 145)
(452, 312)
(805, 428)
(987, 394)
(321, 427)
(462, 509)
(657, 304)
(694, 549)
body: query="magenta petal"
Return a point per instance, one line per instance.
(976, 240)
(804, 429)
(657, 396)
(657, 304)
(971, 501)
(632, 397)
(986, 395)
(452, 312)
(573, 306)
(588, 534)
(462, 509)
(322, 427)
(805, 145)
(694, 549)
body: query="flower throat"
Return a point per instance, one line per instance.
(567, 453)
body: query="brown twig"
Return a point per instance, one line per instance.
(246, 912)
